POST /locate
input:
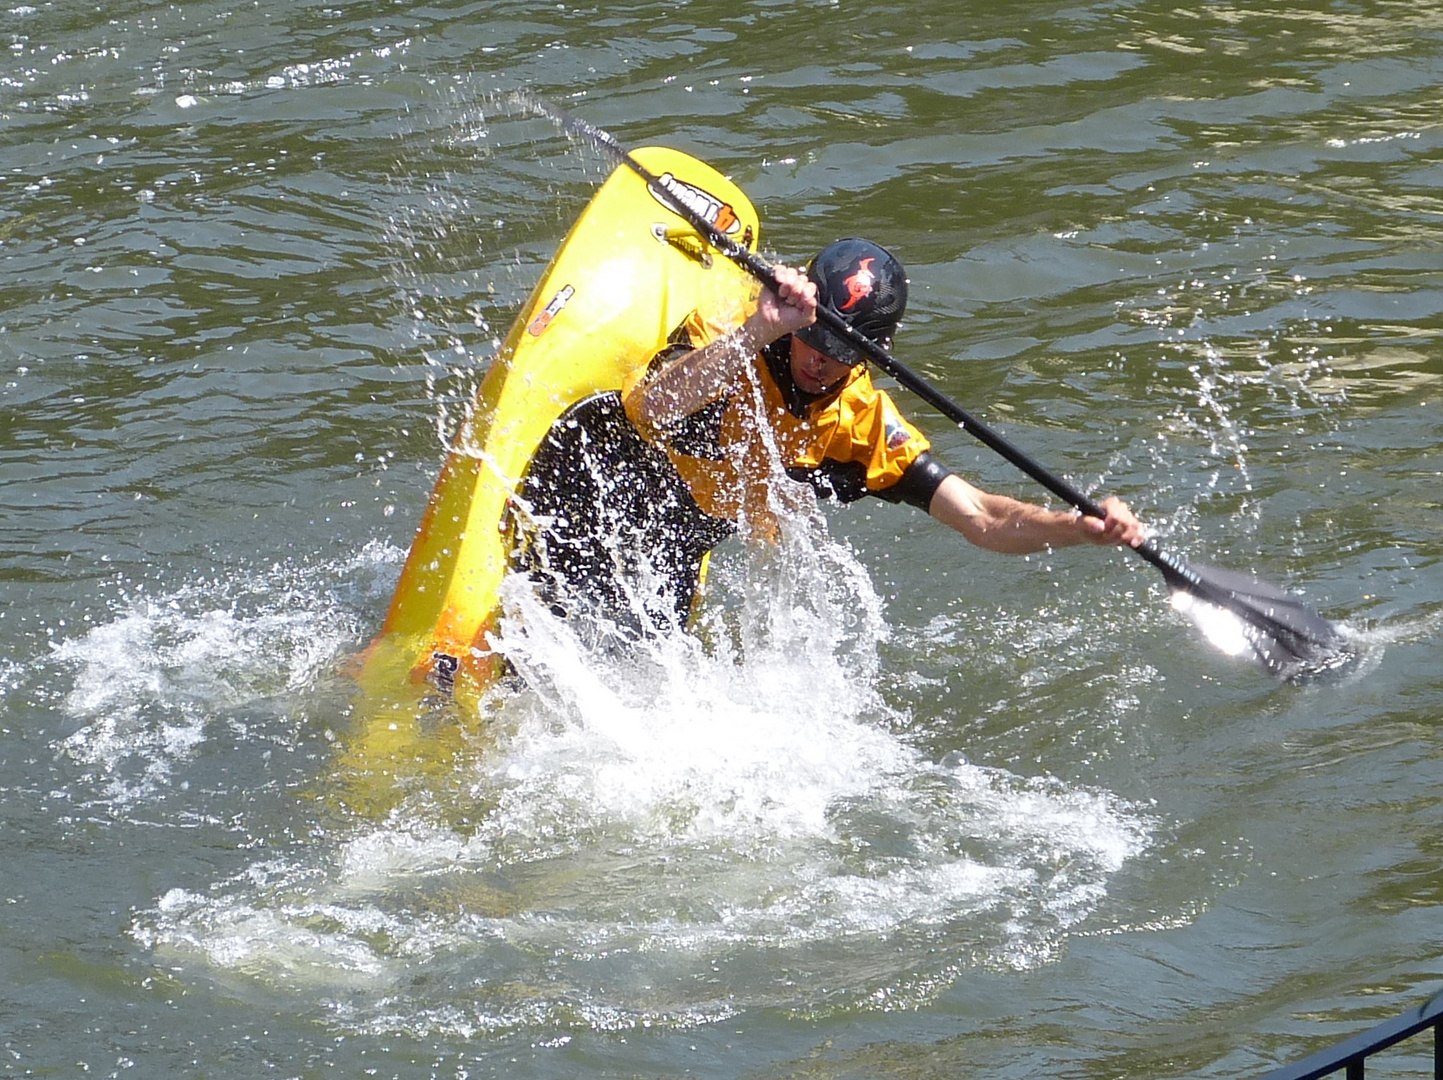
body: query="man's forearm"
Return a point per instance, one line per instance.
(1000, 523)
(692, 380)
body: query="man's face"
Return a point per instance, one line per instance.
(815, 372)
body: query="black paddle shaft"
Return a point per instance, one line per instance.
(1285, 620)
(766, 274)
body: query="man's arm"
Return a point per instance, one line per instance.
(687, 383)
(1013, 527)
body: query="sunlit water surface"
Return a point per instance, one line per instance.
(899, 808)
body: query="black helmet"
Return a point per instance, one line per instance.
(864, 284)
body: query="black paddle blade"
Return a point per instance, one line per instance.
(1247, 617)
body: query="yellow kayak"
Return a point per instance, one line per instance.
(623, 280)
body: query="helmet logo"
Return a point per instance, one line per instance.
(859, 285)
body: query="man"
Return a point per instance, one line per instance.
(726, 403)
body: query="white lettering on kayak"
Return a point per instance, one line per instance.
(719, 215)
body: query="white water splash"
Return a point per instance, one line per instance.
(670, 832)
(150, 686)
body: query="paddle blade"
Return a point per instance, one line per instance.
(1247, 617)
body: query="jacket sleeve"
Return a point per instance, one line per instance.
(918, 483)
(865, 427)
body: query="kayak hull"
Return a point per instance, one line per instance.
(626, 276)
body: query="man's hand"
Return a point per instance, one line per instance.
(1120, 526)
(785, 310)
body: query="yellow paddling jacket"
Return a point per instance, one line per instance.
(847, 443)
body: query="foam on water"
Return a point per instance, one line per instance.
(149, 686)
(670, 832)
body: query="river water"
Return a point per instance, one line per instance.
(913, 809)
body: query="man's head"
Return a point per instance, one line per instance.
(863, 284)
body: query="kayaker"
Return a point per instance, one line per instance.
(726, 402)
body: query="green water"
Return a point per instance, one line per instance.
(1001, 817)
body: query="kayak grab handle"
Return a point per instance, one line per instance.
(686, 240)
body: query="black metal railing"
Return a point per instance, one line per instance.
(1351, 1053)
